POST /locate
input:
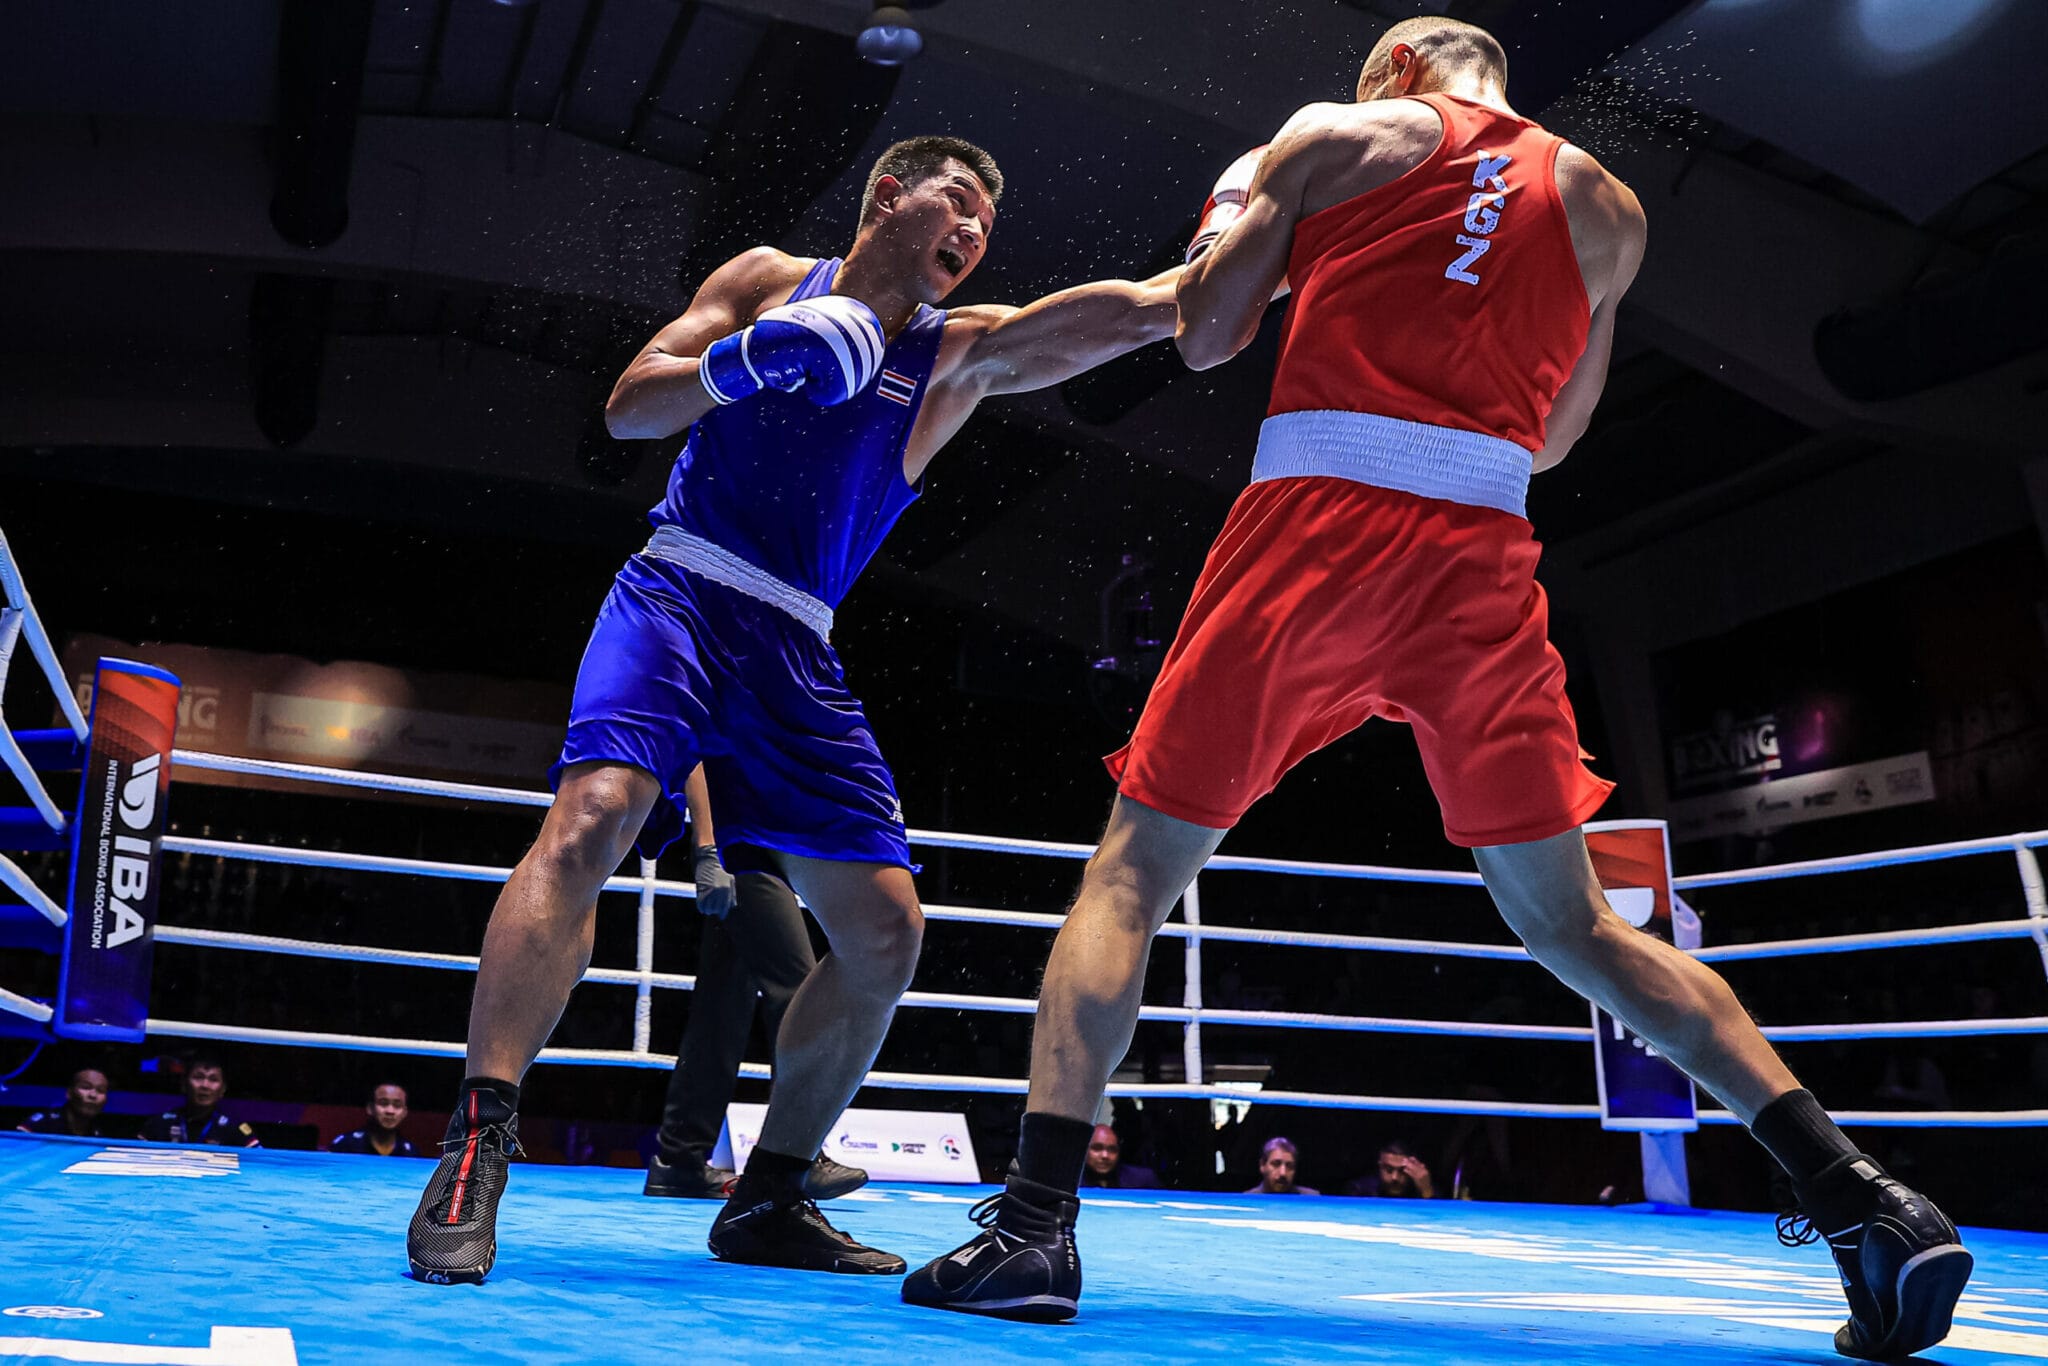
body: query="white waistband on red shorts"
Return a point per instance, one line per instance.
(720, 565)
(1390, 453)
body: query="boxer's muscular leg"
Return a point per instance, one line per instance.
(1550, 897)
(1088, 1006)
(539, 940)
(835, 1022)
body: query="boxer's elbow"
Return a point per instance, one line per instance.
(1204, 346)
(618, 420)
(627, 416)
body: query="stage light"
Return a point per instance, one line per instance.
(890, 38)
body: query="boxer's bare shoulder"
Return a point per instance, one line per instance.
(1336, 152)
(1607, 223)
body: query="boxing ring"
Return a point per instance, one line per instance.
(119, 1252)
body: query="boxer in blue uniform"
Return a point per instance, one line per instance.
(815, 394)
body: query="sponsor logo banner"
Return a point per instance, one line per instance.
(350, 733)
(1732, 752)
(893, 1145)
(124, 790)
(1758, 810)
(344, 713)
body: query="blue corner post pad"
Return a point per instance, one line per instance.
(117, 835)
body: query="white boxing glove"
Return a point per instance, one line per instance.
(1226, 202)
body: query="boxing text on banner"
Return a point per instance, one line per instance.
(1639, 1089)
(892, 1145)
(123, 796)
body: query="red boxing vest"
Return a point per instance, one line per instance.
(1450, 296)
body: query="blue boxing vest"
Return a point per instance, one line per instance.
(803, 492)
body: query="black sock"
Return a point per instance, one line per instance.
(771, 1173)
(503, 1092)
(1052, 1149)
(1800, 1135)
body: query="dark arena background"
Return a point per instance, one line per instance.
(309, 310)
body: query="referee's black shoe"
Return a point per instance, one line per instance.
(828, 1180)
(689, 1179)
(1022, 1266)
(1902, 1265)
(774, 1222)
(684, 1179)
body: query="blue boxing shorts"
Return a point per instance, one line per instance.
(681, 669)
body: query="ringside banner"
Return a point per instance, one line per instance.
(893, 1145)
(123, 794)
(1639, 1089)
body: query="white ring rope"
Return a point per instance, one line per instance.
(1023, 1005)
(1190, 1016)
(900, 1081)
(920, 1081)
(478, 872)
(1853, 943)
(18, 616)
(19, 883)
(15, 762)
(23, 1006)
(1012, 1005)
(345, 777)
(1856, 863)
(14, 595)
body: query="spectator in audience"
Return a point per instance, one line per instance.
(79, 1115)
(1276, 1170)
(380, 1137)
(200, 1119)
(1106, 1166)
(1401, 1175)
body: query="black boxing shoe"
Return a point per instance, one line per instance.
(828, 1180)
(687, 1180)
(1903, 1268)
(1024, 1265)
(454, 1233)
(771, 1222)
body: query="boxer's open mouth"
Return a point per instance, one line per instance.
(952, 260)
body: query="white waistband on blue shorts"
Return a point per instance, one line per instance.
(720, 565)
(1390, 453)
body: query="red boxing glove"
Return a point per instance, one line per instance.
(1226, 202)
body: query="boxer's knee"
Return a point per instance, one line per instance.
(885, 950)
(589, 829)
(1137, 895)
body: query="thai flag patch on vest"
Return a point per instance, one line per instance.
(896, 388)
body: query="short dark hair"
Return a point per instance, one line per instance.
(1448, 42)
(1277, 1144)
(1398, 1147)
(99, 1072)
(195, 1061)
(915, 160)
(397, 1086)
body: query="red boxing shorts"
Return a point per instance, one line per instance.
(1325, 602)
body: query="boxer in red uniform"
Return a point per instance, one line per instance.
(1456, 271)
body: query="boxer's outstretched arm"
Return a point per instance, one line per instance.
(659, 394)
(1015, 350)
(1225, 291)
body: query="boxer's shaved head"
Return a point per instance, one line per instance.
(1444, 44)
(915, 160)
